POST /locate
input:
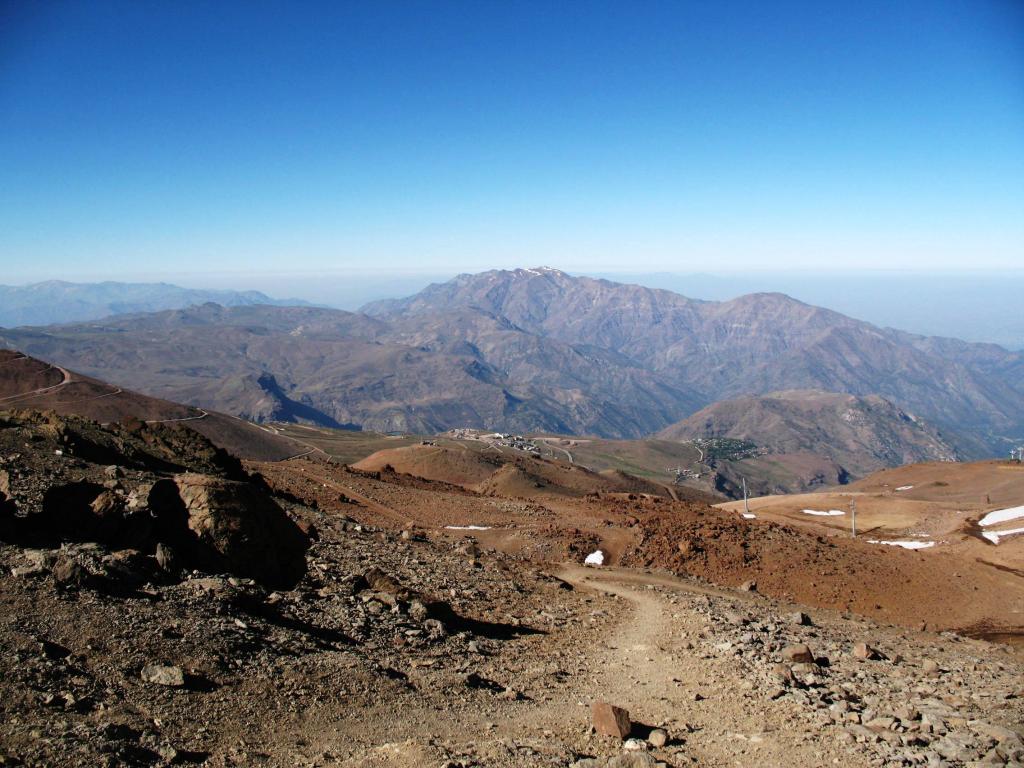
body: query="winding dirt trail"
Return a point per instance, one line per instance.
(644, 664)
(65, 373)
(644, 660)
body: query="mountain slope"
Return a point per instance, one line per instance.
(753, 344)
(331, 367)
(862, 434)
(28, 383)
(537, 350)
(57, 301)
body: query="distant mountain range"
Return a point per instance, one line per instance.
(753, 344)
(538, 350)
(56, 301)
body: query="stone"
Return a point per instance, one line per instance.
(163, 674)
(798, 654)
(748, 586)
(237, 529)
(418, 610)
(907, 714)
(27, 571)
(997, 732)
(107, 506)
(865, 651)
(800, 619)
(166, 558)
(70, 573)
(435, 629)
(658, 737)
(784, 672)
(930, 667)
(839, 709)
(610, 720)
(625, 760)
(954, 748)
(880, 723)
(379, 581)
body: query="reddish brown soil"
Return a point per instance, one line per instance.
(28, 383)
(888, 584)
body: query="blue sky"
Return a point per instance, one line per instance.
(144, 138)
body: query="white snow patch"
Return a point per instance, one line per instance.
(1002, 516)
(995, 536)
(595, 558)
(904, 488)
(468, 527)
(829, 513)
(749, 515)
(905, 544)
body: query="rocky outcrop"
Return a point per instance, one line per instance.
(213, 517)
(236, 528)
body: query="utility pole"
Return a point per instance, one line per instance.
(853, 517)
(746, 507)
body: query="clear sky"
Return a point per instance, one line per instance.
(141, 138)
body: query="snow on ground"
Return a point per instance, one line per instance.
(468, 527)
(905, 544)
(904, 488)
(829, 513)
(595, 558)
(1002, 516)
(749, 515)
(995, 536)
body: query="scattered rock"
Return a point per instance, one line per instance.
(798, 654)
(865, 651)
(658, 737)
(239, 530)
(68, 572)
(784, 673)
(610, 720)
(166, 558)
(162, 674)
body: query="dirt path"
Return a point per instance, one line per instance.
(362, 499)
(64, 382)
(643, 660)
(202, 415)
(643, 664)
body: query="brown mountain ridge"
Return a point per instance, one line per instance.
(860, 433)
(537, 350)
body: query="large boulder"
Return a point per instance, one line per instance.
(238, 529)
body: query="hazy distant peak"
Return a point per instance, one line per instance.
(59, 301)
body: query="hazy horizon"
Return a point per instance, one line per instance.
(976, 305)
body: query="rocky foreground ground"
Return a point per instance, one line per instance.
(200, 642)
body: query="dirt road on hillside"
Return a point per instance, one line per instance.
(646, 658)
